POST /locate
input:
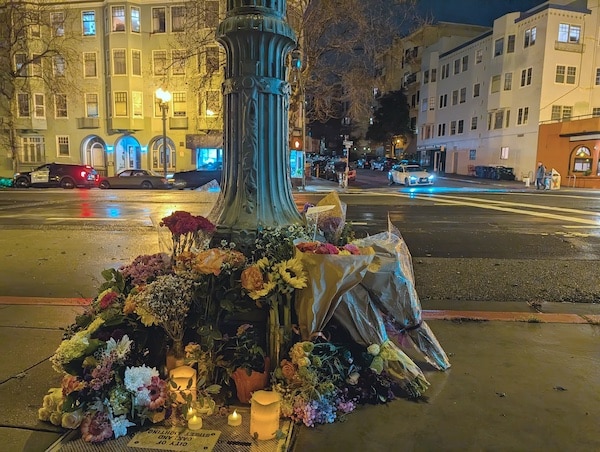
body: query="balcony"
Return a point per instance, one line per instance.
(568, 46)
(31, 124)
(88, 123)
(178, 123)
(125, 124)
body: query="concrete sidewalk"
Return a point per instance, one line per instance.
(519, 381)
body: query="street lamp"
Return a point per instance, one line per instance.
(164, 97)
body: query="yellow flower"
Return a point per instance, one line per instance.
(145, 316)
(210, 261)
(292, 272)
(268, 287)
(252, 279)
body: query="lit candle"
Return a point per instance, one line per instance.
(195, 423)
(234, 419)
(264, 414)
(184, 376)
(190, 413)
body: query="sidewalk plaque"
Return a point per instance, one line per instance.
(176, 440)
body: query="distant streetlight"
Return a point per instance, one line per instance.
(164, 97)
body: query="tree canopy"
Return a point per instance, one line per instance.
(391, 117)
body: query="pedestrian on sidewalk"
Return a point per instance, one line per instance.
(540, 174)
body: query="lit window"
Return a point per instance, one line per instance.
(120, 103)
(569, 33)
(57, 22)
(91, 105)
(213, 103)
(179, 104)
(582, 159)
(118, 18)
(135, 19)
(89, 23)
(137, 104)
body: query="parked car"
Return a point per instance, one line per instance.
(364, 163)
(409, 175)
(384, 164)
(196, 178)
(64, 175)
(134, 178)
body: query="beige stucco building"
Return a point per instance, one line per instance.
(108, 114)
(481, 102)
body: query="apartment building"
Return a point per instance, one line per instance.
(120, 53)
(491, 94)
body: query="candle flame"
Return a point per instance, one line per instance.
(235, 413)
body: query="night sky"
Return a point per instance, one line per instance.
(477, 12)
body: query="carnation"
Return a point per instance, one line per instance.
(138, 377)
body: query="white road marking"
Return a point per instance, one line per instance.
(481, 205)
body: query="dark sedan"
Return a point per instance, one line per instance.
(134, 178)
(196, 178)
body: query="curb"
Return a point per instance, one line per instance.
(427, 314)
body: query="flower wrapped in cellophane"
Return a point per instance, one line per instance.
(188, 232)
(331, 271)
(364, 323)
(392, 289)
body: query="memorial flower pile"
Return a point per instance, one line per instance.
(309, 278)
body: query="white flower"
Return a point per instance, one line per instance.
(119, 425)
(373, 349)
(138, 377)
(121, 348)
(72, 420)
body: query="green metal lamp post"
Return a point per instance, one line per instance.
(256, 190)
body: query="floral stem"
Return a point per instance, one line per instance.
(274, 334)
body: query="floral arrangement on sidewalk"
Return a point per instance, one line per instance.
(172, 309)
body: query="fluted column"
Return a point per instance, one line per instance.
(256, 191)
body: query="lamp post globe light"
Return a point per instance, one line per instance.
(164, 97)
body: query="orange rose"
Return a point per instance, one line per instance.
(288, 370)
(210, 261)
(252, 279)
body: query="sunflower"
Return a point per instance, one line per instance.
(292, 273)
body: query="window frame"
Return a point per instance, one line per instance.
(159, 25)
(118, 21)
(135, 19)
(61, 106)
(121, 64)
(63, 142)
(89, 103)
(90, 29)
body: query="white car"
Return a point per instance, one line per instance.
(409, 175)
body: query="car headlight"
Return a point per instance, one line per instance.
(431, 177)
(413, 178)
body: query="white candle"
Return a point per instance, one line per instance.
(183, 377)
(191, 412)
(195, 423)
(264, 414)
(234, 419)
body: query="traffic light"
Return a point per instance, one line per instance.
(296, 143)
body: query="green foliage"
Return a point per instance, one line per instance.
(391, 117)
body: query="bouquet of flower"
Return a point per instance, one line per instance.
(105, 389)
(187, 230)
(312, 384)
